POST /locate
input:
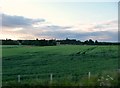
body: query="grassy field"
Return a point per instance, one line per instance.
(65, 62)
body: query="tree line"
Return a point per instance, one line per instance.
(54, 42)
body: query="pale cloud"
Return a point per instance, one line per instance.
(111, 26)
(21, 34)
(106, 26)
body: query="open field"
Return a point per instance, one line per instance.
(71, 62)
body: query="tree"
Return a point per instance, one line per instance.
(86, 42)
(91, 42)
(36, 38)
(96, 42)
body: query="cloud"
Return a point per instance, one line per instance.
(104, 31)
(101, 35)
(111, 25)
(55, 27)
(106, 26)
(18, 21)
(34, 33)
(13, 22)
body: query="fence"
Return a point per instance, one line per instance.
(49, 77)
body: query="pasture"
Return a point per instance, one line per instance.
(72, 62)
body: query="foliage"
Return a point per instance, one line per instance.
(54, 42)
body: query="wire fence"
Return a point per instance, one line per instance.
(48, 77)
(55, 77)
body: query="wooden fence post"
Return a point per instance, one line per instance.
(18, 78)
(51, 77)
(89, 75)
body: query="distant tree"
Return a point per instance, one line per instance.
(91, 42)
(67, 39)
(52, 42)
(36, 38)
(96, 42)
(86, 42)
(9, 42)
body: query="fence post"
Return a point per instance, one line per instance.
(51, 77)
(89, 75)
(18, 78)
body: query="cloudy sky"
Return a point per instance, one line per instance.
(31, 19)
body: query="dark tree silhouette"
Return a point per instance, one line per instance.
(54, 42)
(91, 42)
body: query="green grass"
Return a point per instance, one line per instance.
(64, 62)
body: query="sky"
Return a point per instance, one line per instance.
(31, 19)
